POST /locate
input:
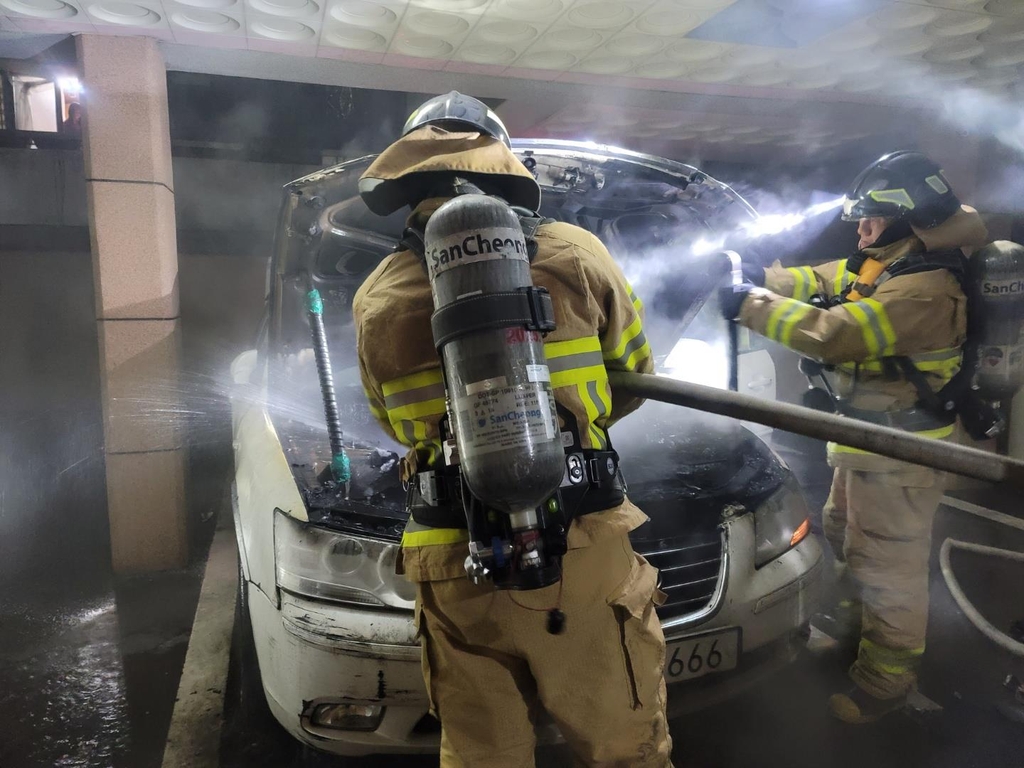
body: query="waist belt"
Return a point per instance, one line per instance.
(909, 419)
(592, 483)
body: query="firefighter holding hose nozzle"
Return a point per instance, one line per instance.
(484, 345)
(885, 332)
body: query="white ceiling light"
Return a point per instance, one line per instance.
(548, 60)
(603, 15)
(487, 54)
(955, 50)
(573, 39)
(1005, 7)
(285, 30)
(124, 14)
(665, 20)
(41, 9)
(204, 21)
(437, 24)
(905, 44)
(362, 13)
(359, 38)
(606, 65)
(208, 4)
(514, 32)
(903, 16)
(1008, 31)
(695, 51)
(529, 10)
(635, 45)
(292, 9)
(1005, 57)
(703, 5)
(953, 24)
(422, 46)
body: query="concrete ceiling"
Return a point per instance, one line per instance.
(787, 76)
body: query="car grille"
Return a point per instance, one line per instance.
(691, 569)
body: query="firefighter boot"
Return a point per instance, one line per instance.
(858, 707)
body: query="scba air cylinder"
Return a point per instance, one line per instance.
(499, 389)
(997, 277)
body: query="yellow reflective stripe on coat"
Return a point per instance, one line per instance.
(579, 363)
(409, 402)
(940, 433)
(630, 347)
(804, 282)
(942, 363)
(873, 320)
(428, 537)
(784, 318)
(637, 304)
(842, 279)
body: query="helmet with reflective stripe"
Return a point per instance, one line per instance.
(456, 112)
(902, 185)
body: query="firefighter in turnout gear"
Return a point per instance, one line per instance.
(886, 328)
(490, 661)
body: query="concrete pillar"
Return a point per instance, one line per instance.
(130, 189)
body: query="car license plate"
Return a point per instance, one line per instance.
(697, 655)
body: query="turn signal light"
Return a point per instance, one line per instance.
(801, 532)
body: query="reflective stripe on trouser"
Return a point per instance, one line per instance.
(886, 542)
(489, 664)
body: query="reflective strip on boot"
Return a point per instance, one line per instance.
(892, 661)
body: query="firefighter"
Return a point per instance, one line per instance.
(489, 662)
(889, 324)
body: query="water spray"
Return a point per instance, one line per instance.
(340, 470)
(764, 226)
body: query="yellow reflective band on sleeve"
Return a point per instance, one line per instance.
(576, 376)
(553, 349)
(784, 318)
(843, 278)
(637, 304)
(871, 317)
(934, 434)
(418, 410)
(804, 282)
(631, 341)
(412, 381)
(432, 536)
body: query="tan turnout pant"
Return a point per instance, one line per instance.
(490, 666)
(880, 523)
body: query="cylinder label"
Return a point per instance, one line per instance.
(503, 419)
(469, 247)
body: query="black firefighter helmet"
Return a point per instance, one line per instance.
(902, 185)
(454, 111)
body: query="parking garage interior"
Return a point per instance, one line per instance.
(136, 248)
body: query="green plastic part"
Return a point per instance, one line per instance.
(341, 468)
(314, 302)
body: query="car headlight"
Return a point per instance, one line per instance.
(328, 565)
(780, 522)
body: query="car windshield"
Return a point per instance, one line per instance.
(652, 214)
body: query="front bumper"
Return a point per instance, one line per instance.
(312, 652)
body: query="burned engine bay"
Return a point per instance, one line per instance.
(646, 210)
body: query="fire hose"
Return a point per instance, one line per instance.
(886, 441)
